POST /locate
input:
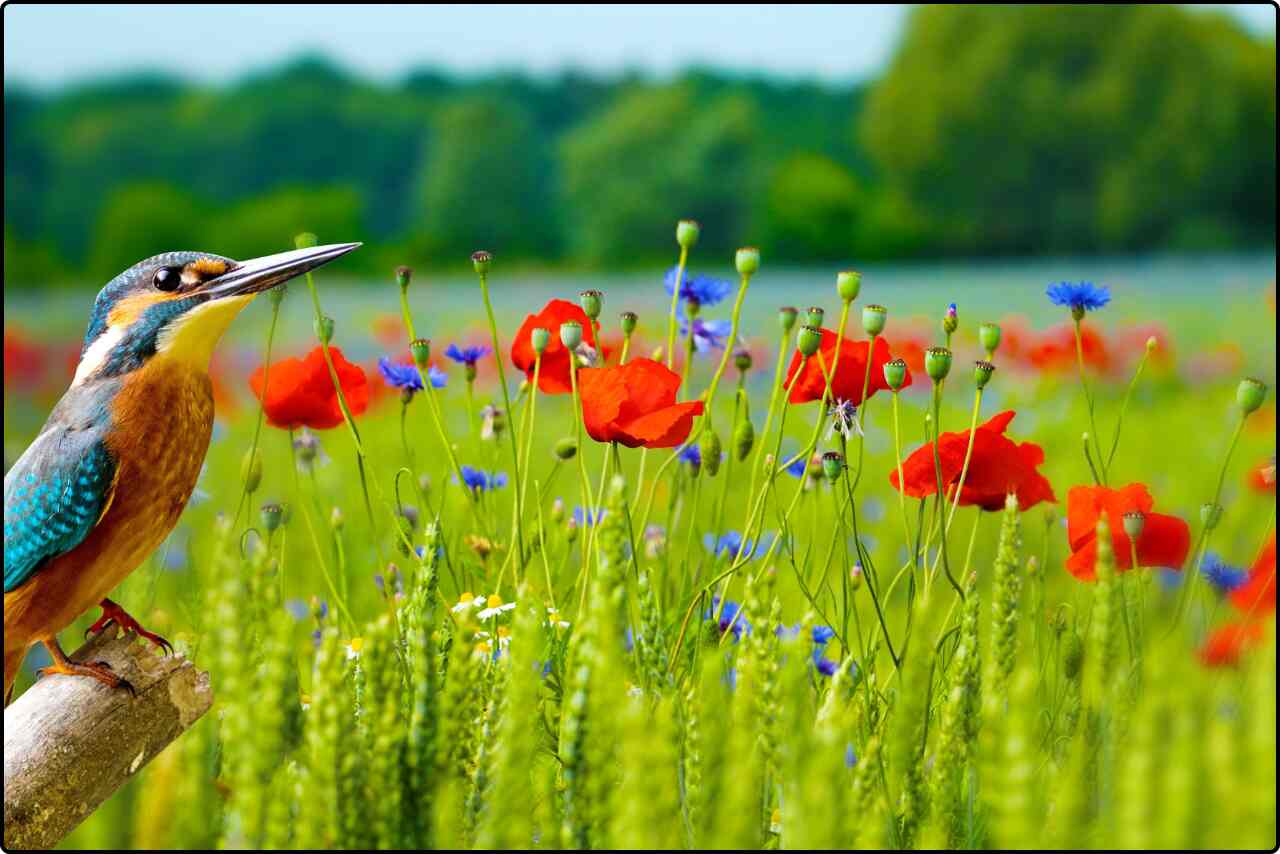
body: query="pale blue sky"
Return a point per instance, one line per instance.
(49, 45)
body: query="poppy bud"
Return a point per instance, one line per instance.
(815, 313)
(832, 465)
(566, 448)
(873, 317)
(937, 363)
(1250, 394)
(1072, 655)
(809, 341)
(590, 302)
(336, 519)
(787, 318)
(557, 510)
(982, 371)
(744, 436)
(323, 326)
(895, 373)
(747, 260)
(848, 284)
(571, 530)
(251, 470)
(628, 320)
(1134, 522)
(709, 448)
(306, 240)
(855, 575)
(1211, 515)
(950, 320)
(989, 338)
(271, 515)
(571, 334)
(481, 260)
(539, 338)
(1152, 344)
(742, 360)
(687, 232)
(421, 350)
(403, 274)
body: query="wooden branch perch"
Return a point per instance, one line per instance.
(70, 741)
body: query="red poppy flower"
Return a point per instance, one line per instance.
(1165, 540)
(300, 392)
(553, 376)
(1225, 646)
(997, 467)
(635, 405)
(1055, 351)
(1262, 477)
(850, 374)
(1257, 596)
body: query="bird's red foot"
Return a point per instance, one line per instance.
(113, 613)
(99, 670)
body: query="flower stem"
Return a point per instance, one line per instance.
(675, 302)
(257, 427)
(1088, 399)
(1124, 407)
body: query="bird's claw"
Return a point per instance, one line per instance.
(113, 613)
(99, 670)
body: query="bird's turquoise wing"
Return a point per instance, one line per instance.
(53, 496)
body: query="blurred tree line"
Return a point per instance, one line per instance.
(995, 130)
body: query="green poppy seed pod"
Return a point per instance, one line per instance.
(1250, 394)
(895, 373)
(1134, 522)
(747, 260)
(873, 318)
(814, 315)
(709, 448)
(982, 371)
(336, 519)
(687, 232)
(950, 320)
(566, 448)
(742, 360)
(557, 510)
(271, 515)
(937, 363)
(787, 318)
(591, 302)
(481, 260)
(1210, 515)
(251, 470)
(323, 326)
(1072, 655)
(855, 575)
(809, 341)
(403, 274)
(306, 240)
(628, 320)
(276, 294)
(571, 530)
(989, 338)
(539, 338)
(421, 350)
(832, 465)
(744, 437)
(848, 284)
(571, 334)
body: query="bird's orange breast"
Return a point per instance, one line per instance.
(162, 420)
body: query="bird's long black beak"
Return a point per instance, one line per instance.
(260, 274)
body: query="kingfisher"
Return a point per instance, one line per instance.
(104, 482)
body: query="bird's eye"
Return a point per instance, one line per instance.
(167, 279)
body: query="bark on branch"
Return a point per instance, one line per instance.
(70, 741)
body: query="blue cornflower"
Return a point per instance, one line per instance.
(797, 468)
(850, 758)
(740, 626)
(820, 635)
(1170, 579)
(479, 481)
(704, 290)
(707, 334)
(692, 455)
(1223, 577)
(733, 545)
(297, 608)
(585, 518)
(466, 355)
(1078, 296)
(825, 666)
(405, 376)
